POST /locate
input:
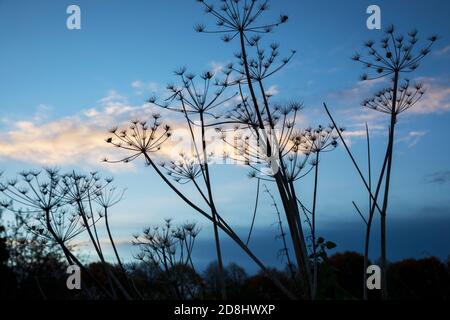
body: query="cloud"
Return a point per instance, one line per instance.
(146, 87)
(439, 177)
(113, 98)
(350, 100)
(67, 141)
(358, 92)
(273, 90)
(354, 133)
(79, 139)
(413, 138)
(443, 51)
(436, 98)
(217, 67)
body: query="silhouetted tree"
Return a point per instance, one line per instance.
(422, 279)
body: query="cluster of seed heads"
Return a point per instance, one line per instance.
(394, 54)
(141, 137)
(262, 66)
(167, 244)
(184, 170)
(408, 95)
(236, 17)
(196, 94)
(51, 200)
(320, 139)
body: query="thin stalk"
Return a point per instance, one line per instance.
(254, 213)
(283, 234)
(228, 231)
(71, 258)
(213, 211)
(352, 158)
(313, 229)
(369, 222)
(112, 242)
(386, 189)
(116, 253)
(289, 203)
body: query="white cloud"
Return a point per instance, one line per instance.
(91, 112)
(79, 139)
(113, 98)
(217, 67)
(443, 51)
(354, 133)
(273, 90)
(413, 138)
(436, 98)
(145, 87)
(137, 84)
(360, 91)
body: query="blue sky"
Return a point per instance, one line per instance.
(60, 91)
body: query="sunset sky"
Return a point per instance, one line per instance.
(61, 90)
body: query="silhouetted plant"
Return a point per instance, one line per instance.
(190, 101)
(284, 251)
(140, 138)
(59, 207)
(283, 136)
(408, 95)
(198, 98)
(239, 20)
(318, 141)
(400, 56)
(170, 249)
(394, 56)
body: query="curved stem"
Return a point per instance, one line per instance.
(254, 213)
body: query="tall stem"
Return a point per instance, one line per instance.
(213, 212)
(386, 189)
(313, 229)
(71, 258)
(369, 221)
(116, 253)
(289, 203)
(224, 227)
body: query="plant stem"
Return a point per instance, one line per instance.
(313, 230)
(224, 227)
(386, 190)
(213, 212)
(289, 202)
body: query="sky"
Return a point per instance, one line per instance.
(61, 90)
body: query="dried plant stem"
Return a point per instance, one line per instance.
(370, 218)
(282, 234)
(352, 158)
(213, 211)
(313, 229)
(223, 226)
(71, 258)
(289, 202)
(390, 151)
(116, 253)
(255, 210)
